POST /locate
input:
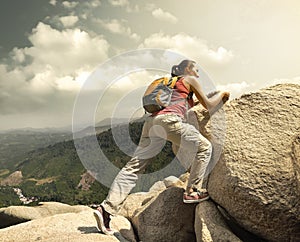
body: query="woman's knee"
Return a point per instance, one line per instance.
(205, 146)
(135, 165)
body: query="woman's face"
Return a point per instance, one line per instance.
(192, 71)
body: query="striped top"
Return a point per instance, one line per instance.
(179, 98)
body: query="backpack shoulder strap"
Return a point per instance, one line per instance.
(172, 81)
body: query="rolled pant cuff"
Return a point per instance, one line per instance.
(108, 208)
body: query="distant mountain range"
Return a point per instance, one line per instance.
(104, 125)
(14, 144)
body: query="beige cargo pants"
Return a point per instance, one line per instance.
(184, 137)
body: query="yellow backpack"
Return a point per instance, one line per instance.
(158, 94)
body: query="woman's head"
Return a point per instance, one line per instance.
(185, 67)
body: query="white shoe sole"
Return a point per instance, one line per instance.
(100, 223)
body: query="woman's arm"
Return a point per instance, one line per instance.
(211, 104)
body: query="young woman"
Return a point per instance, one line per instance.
(167, 124)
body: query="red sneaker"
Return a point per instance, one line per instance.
(195, 197)
(103, 218)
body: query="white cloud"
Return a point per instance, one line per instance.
(69, 21)
(93, 3)
(135, 36)
(60, 63)
(67, 83)
(221, 54)
(123, 98)
(69, 5)
(118, 27)
(115, 26)
(124, 3)
(67, 50)
(17, 95)
(236, 89)
(84, 16)
(18, 55)
(53, 2)
(149, 6)
(164, 16)
(119, 2)
(42, 81)
(192, 47)
(133, 81)
(131, 9)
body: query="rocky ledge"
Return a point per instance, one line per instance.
(157, 215)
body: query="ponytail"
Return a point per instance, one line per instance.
(175, 71)
(178, 70)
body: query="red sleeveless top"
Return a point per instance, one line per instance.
(179, 98)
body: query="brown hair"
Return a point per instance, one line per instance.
(178, 70)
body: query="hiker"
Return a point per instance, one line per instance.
(167, 124)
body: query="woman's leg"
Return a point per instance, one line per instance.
(125, 181)
(191, 143)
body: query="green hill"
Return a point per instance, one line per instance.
(15, 144)
(53, 173)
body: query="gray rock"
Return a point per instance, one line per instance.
(77, 227)
(210, 226)
(19, 214)
(157, 186)
(257, 178)
(166, 218)
(134, 202)
(71, 226)
(171, 181)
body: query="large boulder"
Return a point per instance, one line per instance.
(257, 178)
(166, 218)
(160, 215)
(75, 227)
(19, 214)
(210, 225)
(135, 201)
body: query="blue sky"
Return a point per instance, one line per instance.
(49, 48)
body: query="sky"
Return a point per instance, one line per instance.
(50, 48)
